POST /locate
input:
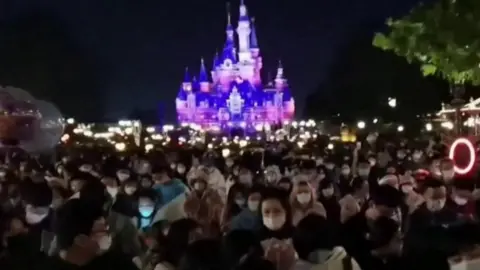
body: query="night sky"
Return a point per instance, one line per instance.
(144, 46)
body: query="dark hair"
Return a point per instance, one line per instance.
(74, 218)
(282, 197)
(231, 208)
(239, 243)
(203, 255)
(178, 238)
(312, 233)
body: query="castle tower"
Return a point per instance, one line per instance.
(203, 78)
(187, 83)
(243, 31)
(254, 48)
(255, 51)
(246, 64)
(225, 71)
(280, 81)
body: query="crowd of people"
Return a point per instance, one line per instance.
(371, 205)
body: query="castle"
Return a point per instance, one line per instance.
(234, 94)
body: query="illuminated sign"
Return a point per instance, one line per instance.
(471, 152)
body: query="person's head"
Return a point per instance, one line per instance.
(254, 196)
(245, 176)
(203, 254)
(76, 184)
(82, 224)
(382, 231)
(360, 187)
(130, 187)
(275, 209)
(285, 183)
(111, 186)
(180, 234)
(363, 169)
(123, 175)
(161, 175)
(302, 194)
(345, 170)
(237, 196)
(239, 243)
(38, 198)
(146, 181)
(326, 188)
(199, 184)
(312, 233)
(462, 191)
(435, 194)
(181, 168)
(147, 203)
(401, 154)
(446, 170)
(386, 199)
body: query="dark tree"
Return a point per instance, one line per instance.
(38, 55)
(363, 79)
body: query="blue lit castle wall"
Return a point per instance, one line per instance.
(235, 95)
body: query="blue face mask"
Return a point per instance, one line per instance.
(146, 210)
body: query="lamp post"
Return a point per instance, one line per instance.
(457, 91)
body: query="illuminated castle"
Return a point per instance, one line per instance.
(235, 95)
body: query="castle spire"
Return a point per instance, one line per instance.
(280, 80)
(253, 36)
(243, 12)
(186, 77)
(279, 70)
(203, 77)
(229, 48)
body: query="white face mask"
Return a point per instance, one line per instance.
(416, 156)
(274, 223)
(407, 188)
(448, 174)
(321, 176)
(130, 190)
(229, 163)
(113, 191)
(240, 202)
(330, 166)
(319, 161)
(253, 205)
(3, 173)
(304, 198)
(245, 179)
(104, 243)
(328, 192)
(122, 176)
(85, 168)
(372, 162)
(436, 205)
(173, 166)
(34, 218)
(460, 200)
(198, 186)
(363, 172)
(146, 210)
(346, 171)
(181, 169)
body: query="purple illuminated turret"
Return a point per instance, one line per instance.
(280, 81)
(203, 78)
(253, 40)
(187, 83)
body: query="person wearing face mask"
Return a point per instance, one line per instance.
(329, 200)
(249, 217)
(236, 202)
(428, 232)
(461, 200)
(123, 175)
(447, 173)
(147, 207)
(245, 177)
(172, 193)
(84, 241)
(345, 179)
(38, 197)
(276, 215)
(304, 202)
(204, 205)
